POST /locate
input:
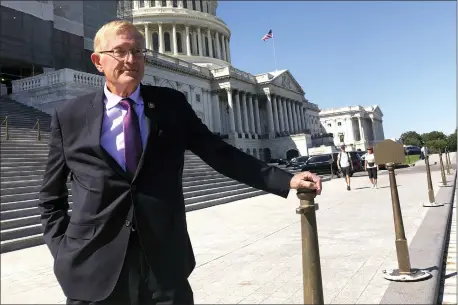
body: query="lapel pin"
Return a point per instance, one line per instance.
(151, 105)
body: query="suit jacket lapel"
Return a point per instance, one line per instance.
(94, 120)
(151, 120)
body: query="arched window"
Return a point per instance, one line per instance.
(167, 47)
(194, 4)
(179, 43)
(185, 3)
(207, 47)
(175, 3)
(164, 3)
(141, 3)
(156, 41)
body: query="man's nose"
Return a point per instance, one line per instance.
(129, 57)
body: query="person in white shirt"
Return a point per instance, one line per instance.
(371, 167)
(345, 164)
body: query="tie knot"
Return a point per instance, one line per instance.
(126, 103)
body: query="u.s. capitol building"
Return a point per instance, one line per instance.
(265, 115)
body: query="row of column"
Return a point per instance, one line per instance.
(202, 6)
(285, 115)
(219, 50)
(248, 104)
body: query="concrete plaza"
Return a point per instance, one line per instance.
(249, 251)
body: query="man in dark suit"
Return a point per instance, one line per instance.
(126, 241)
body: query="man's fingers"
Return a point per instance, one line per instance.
(311, 181)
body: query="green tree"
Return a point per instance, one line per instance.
(411, 138)
(433, 135)
(436, 146)
(451, 141)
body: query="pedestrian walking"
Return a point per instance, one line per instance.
(371, 167)
(345, 165)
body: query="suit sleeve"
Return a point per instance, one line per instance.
(230, 161)
(53, 196)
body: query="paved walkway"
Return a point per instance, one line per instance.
(250, 251)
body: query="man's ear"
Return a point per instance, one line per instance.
(95, 58)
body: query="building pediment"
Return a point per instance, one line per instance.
(286, 80)
(282, 79)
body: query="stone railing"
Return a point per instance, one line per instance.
(153, 57)
(231, 71)
(57, 77)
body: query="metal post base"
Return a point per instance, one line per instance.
(414, 275)
(434, 204)
(443, 185)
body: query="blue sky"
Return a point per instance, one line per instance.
(398, 55)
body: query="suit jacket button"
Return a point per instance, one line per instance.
(128, 223)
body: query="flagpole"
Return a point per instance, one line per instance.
(275, 56)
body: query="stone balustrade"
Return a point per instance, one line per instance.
(63, 76)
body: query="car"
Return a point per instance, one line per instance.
(325, 164)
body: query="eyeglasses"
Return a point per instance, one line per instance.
(122, 54)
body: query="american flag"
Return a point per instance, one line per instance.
(268, 36)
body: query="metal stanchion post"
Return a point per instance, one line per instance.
(405, 273)
(447, 161)
(432, 202)
(311, 267)
(444, 180)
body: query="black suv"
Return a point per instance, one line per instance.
(322, 164)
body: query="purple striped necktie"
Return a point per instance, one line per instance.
(132, 136)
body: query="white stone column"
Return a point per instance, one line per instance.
(281, 115)
(218, 49)
(180, 4)
(275, 114)
(231, 111)
(174, 38)
(224, 47)
(300, 118)
(270, 117)
(348, 137)
(290, 116)
(188, 42)
(158, 3)
(374, 129)
(293, 108)
(285, 114)
(210, 45)
(246, 128)
(147, 37)
(238, 112)
(361, 130)
(228, 50)
(257, 116)
(199, 37)
(136, 4)
(191, 95)
(194, 43)
(161, 38)
(198, 8)
(251, 111)
(217, 112)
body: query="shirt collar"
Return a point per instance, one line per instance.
(112, 99)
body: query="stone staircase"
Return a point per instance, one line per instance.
(23, 160)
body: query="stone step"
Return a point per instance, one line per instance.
(21, 243)
(19, 222)
(12, 200)
(216, 189)
(243, 194)
(21, 232)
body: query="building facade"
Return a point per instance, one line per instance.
(265, 115)
(355, 126)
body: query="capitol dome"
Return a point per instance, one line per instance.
(186, 29)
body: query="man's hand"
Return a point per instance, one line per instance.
(306, 180)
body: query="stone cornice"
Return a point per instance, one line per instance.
(174, 67)
(154, 15)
